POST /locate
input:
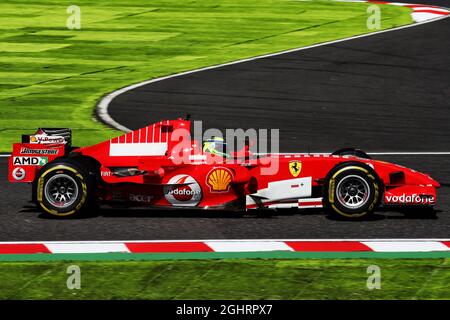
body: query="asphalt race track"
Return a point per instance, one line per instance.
(383, 93)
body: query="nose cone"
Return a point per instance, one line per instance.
(434, 183)
(425, 179)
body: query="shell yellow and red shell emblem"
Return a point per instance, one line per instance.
(219, 179)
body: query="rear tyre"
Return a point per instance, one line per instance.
(352, 191)
(63, 189)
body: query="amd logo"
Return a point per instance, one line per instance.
(30, 161)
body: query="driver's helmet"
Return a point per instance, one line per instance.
(216, 146)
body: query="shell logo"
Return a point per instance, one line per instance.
(219, 179)
(183, 191)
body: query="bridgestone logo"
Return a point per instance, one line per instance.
(39, 151)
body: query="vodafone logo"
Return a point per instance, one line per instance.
(183, 190)
(18, 173)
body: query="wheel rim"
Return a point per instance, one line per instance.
(61, 191)
(353, 192)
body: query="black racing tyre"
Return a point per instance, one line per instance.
(352, 191)
(351, 152)
(63, 189)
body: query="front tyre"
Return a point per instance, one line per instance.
(352, 191)
(351, 152)
(62, 189)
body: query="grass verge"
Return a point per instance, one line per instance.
(228, 279)
(53, 77)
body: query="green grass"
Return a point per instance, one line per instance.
(53, 77)
(229, 279)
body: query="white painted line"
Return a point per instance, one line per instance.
(5, 155)
(431, 8)
(85, 247)
(102, 107)
(247, 246)
(406, 246)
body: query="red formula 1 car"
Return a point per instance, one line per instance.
(156, 166)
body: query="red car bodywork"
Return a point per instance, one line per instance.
(143, 167)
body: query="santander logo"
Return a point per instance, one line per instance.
(182, 190)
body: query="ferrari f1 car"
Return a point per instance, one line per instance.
(144, 168)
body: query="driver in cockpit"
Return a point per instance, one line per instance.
(216, 146)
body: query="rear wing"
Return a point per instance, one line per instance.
(35, 151)
(50, 136)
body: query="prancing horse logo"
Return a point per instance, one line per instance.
(295, 167)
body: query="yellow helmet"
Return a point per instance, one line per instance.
(216, 146)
